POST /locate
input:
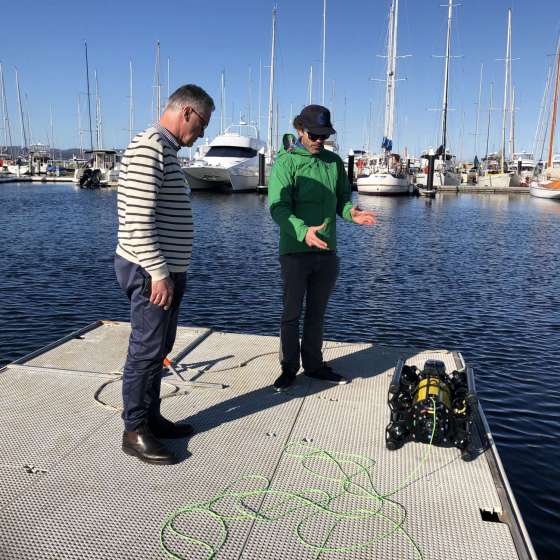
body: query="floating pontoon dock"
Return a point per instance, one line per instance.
(67, 492)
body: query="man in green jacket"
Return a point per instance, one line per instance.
(308, 186)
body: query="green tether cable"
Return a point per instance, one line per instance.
(312, 501)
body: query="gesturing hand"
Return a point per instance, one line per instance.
(162, 293)
(311, 238)
(362, 217)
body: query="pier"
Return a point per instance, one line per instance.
(484, 190)
(67, 490)
(43, 179)
(36, 179)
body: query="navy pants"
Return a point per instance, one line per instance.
(311, 276)
(151, 340)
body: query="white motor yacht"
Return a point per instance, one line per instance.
(231, 162)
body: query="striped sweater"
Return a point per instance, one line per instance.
(154, 205)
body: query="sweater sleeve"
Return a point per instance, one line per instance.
(280, 190)
(145, 172)
(343, 194)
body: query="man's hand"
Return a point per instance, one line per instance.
(362, 217)
(311, 238)
(162, 293)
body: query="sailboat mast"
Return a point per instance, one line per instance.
(506, 82)
(158, 85)
(168, 75)
(512, 124)
(271, 84)
(222, 100)
(478, 111)
(511, 103)
(260, 97)
(394, 71)
(554, 107)
(51, 130)
(490, 109)
(5, 116)
(540, 121)
(130, 104)
(80, 131)
(391, 77)
(97, 110)
(28, 119)
(88, 99)
(21, 120)
(250, 96)
(310, 84)
(2, 105)
(324, 49)
(446, 81)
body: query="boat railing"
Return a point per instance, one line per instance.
(240, 128)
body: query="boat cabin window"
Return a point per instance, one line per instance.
(231, 151)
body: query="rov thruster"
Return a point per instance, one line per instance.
(432, 405)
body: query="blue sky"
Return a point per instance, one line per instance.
(201, 39)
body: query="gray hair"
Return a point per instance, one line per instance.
(191, 95)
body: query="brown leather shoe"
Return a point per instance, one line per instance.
(163, 428)
(143, 445)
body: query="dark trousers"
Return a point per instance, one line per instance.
(151, 340)
(313, 276)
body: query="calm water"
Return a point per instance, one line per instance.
(472, 272)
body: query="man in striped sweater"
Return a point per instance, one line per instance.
(153, 252)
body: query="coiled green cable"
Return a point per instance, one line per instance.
(353, 478)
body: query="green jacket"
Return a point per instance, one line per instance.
(307, 190)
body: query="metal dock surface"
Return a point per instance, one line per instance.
(68, 492)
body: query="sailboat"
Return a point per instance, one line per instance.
(445, 168)
(102, 166)
(500, 177)
(550, 186)
(388, 176)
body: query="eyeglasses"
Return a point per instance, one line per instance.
(202, 121)
(315, 137)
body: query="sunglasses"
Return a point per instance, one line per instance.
(315, 137)
(202, 121)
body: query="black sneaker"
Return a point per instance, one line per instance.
(285, 380)
(325, 373)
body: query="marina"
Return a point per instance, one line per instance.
(228, 160)
(441, 276)
(60, 428)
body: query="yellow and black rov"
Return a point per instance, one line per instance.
(431, 405)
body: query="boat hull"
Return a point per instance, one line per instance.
(540, 190)
(384, 184)
(448, 179)
(499, 180)
(208, 179)
(428, 193)
(242, 177)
